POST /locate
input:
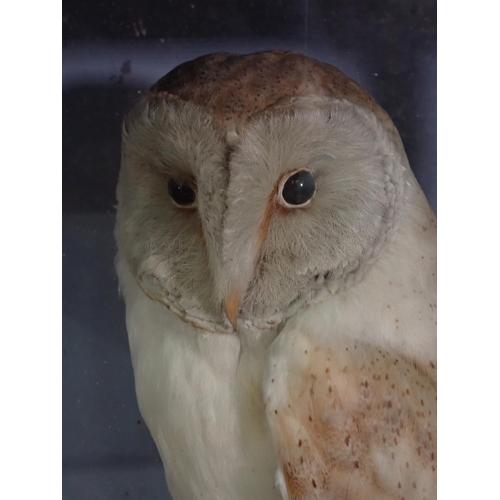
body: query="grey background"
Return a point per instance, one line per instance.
(112, 52)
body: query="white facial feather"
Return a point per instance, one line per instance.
(186, 258)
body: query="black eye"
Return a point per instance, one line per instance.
(299, 188)
(182, 193)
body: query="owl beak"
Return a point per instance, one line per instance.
(232, 306)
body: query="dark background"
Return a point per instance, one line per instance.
(112, 52)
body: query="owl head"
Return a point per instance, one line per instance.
(251, 185)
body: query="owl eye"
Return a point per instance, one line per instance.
(299, 188)
(182, 193)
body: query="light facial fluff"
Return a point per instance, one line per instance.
(240, 240)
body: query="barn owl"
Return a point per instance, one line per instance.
(277, 258)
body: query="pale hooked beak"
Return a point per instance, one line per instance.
(232, 306)
(242, 269)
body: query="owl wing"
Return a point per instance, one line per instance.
(350, 420)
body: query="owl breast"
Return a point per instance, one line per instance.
(201, 398)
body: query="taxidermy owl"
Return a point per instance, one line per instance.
(277, 259)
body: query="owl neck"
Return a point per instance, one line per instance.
(393, 298)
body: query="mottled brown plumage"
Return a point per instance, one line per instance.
(233, 88)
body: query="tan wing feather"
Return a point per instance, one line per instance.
(357, 423)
